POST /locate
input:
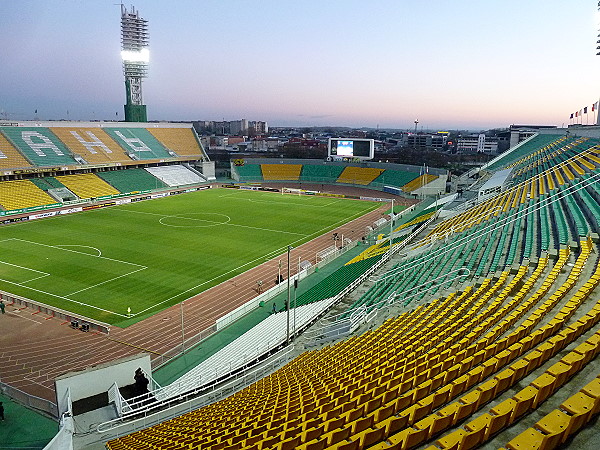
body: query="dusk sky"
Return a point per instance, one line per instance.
(451, 64)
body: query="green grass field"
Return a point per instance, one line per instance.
(152, 254)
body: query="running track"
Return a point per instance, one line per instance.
(35, 349)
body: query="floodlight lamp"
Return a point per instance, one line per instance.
(142, 56)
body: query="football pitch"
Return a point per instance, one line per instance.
(152, 254)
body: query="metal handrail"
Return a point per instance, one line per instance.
(367, 274)
(569, 190)
(202, 396)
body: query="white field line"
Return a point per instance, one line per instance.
(180, 216)
(266, 229)
(74, 251)
(269, 255)
(289, 203)
(21, 317)
(36, 278)
(295, 203)
(81, 290)
(44, 274)
(336, 224)
(84, 246)
(64, 298)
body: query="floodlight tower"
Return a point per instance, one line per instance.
(135, 55)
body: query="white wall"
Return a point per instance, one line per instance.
(97, 379)
(208, 170)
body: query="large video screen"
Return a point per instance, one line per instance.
(351, 148)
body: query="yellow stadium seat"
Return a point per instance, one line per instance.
(94, 145)
(10, 158)
(19, 194)
(181, 141)
(359, 175)
(87, 185)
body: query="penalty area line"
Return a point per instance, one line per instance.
(75, 251)
(44, 274)
(64, 298)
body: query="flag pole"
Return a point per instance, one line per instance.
(287, 304)
(391, 227)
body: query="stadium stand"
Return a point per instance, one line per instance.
(92, 144)
(139, 143)
(359, 175)
(377, 249)
(243, 350)
(47, 183)
(421, 374)
(281, 171)
(374, 175)
(249, 172)
(573, 414)
(175, 175)
(452, 371)
(418, 182)
(526, 148)
(422, 217)
(181, 141)
(87, 185)
(336, 281)
(39, 145)
(10, 158)
(22, 194)
(131, 180)
(395, 178)
(320, 173)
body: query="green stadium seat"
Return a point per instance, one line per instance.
(321, 173)
(131, 180)
(394, 178)
(39, 145)
(139, 142)
(249, 172)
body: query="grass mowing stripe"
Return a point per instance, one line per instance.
(178, 262)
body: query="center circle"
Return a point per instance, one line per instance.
(195, 220)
